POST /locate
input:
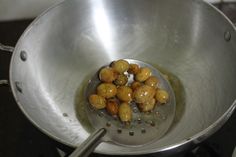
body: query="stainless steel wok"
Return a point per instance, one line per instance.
(192, 42)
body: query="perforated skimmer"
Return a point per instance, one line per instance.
(144, 127)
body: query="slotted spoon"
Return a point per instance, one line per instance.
(144, 127)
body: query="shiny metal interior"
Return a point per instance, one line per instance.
(63, 47)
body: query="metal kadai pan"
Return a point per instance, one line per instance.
(189, 41)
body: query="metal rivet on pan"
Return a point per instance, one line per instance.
(108, 124)
(18, 86)
(227, 36)
(131, 133)
(23, 55)
(119, 130)
(65, 114)
(143, 130)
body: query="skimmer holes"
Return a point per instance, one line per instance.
(143, 130)
(108, 124)
(100, 114)
(131, 133)
(152, 124)
(139, 121)
(119, 131)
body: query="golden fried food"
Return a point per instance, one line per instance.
(120, 66)
(97, 101)
(133, 69)
(119, 88)
(106, 90)
(144, 94)
(112, 107)
(107, 75)
(148, 105)
(135, 85)
(121, 80)
(162, 96)
(152, 81)
(124, 93)
(125, 112)
(143, 74)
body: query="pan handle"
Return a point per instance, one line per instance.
(89, 144)
(4, 82)
(6, 48)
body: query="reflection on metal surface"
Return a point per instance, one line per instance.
(103, 27)
(196, 24)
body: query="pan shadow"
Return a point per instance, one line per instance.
(179, 92)
(80, 102)
(180, 98)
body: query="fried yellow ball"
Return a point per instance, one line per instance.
(152, 81)
(148, 105)
(125, 112)
(106, 90)
(143, 74)
(133, 69)
(121, 80)
(144, 94)
(124, 93)
(162, 96)
(97, 101)
(107, 75)
(112, 107)
(135, 85)
(120, 66)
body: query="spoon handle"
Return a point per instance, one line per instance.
(89, 144)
